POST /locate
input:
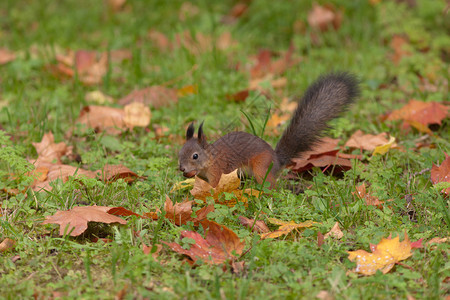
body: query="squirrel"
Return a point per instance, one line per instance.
(323, 101)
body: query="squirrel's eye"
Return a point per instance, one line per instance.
(195, 156)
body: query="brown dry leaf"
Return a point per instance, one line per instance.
(335, 232)
(161, 41)
(76, 219)
(103, 118)
(235, 13)
(239, 96)
(422, 112)
(324, 17)
(115, 172)
(288, 106)
(219, 245)
(89, 65)
(361, 193)
(384, 255)
(441, 173)
(7, 244)
(257, 225)
(6, 56)
(255, 84)
(136, 115)
(324, 155)
(181, 213)
(285, 227)
(363, 141)
(116, 5)
(48, 151)
(98, 97)
(266, 66)
(276, 121)
(227, 183)
(155, 96)
(399, 45)
(438, 240)
(147, 250)
(63, 172)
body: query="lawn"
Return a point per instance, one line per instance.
(70, 69)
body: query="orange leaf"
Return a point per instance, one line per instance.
(75, 221)
(219, 245)
(422, 112)
(441, 173)
(7, 244)
(181, 213)
(384, 256)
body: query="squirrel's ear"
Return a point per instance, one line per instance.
(190, 131)
(200, 135)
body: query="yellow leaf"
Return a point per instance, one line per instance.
(383, 257)
(183, 184)
(286, 227)
(383, 149)
(187, 90)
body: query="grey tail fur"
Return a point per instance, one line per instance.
(323, 101)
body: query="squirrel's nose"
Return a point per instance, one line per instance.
(182, 168)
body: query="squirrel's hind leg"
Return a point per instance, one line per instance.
(260, 165)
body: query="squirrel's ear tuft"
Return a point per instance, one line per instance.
(200, 135)
(190, 131)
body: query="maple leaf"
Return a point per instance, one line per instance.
(256, 225)
(384, 255)
(363, 141)
(219, 245)
(335, 232)
(6, 56)
(181, 213)
(442, 173)
(75, 221)
(49, 151)
(421, 112)
(324, 17)
(369, 199)
(156, 96)
(324, 154)
(285, 227)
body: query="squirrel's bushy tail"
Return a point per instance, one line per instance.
(323, 101)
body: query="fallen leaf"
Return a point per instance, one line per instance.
(147, 250)
(285, 227)
(160, 40)
(361, 193)
(335, 232)
(49, 151)
(114, 172)
(384, 256)
(422, 112)
(90, 66)
(256, 225)
(368, 142)
(324, 295)
(239, 96)
(98, 97)
(324, 17)
(266, 66)
(155, 96)
(235, 12)
(228, 183)
(7, 244)
(183, 184)
(181, 213)
(219, 245)
(116, 5)
(438, 240)
(75, 221)
(399, 45)
(187, 90)
(441, 173)
(103, 118)
(6, 56)
(136, 115)
(383, 149)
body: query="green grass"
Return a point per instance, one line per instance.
(34, 101)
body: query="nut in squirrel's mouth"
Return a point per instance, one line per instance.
(190, 174)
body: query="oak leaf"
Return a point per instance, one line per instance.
(285, 227)
(75, 221)
(219, 245)
(384, 256)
